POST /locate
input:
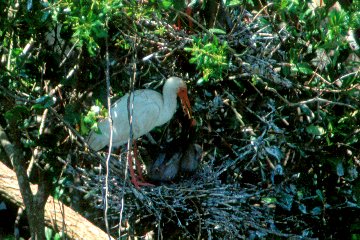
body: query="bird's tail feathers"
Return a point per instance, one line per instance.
(97, 141)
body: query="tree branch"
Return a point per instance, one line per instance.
(33, 205)
(57, 215)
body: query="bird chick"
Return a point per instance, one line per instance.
(170, 164)
(165, 169)
(191, 158)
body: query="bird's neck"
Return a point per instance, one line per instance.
(169, 105)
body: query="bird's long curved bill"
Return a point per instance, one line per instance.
(185, 103)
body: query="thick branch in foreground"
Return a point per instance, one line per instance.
(34, 203)
(57, 215)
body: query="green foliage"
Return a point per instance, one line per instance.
(59, 188)
(315, 130)
(51, 235)
(44, 102)
(322, 31)
(210, 57)
(231, 3)
(17, 114)
(89, 122)
(87, 19)
(166, 4)
(289, 6)
(338, 25)
(342, 127)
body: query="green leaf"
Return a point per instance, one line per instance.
(37, 106)
(44, 102)
(320, 194)
(302, 208)
(83, 127)
(16, 114)
(57, 236)
(304, 68)
(307, 111)
(231, 3)
(315, 130)
(193, 60)
(58, 192)
(48, 233)
(285, 200)
(316, 211)
(275, 152)
(167, 4)
(217, 31)
(268, 200)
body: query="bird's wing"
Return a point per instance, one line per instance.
(146, 109)
(99, 140)
(147, 105)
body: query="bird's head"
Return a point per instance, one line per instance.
(180, 86)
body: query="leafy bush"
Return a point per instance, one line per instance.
(210, 57)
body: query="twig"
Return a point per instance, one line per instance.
(312, 100)
(37, 148)
(107, 76)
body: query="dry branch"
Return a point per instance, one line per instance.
(57, 215)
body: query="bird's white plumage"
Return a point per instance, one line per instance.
(150, 109)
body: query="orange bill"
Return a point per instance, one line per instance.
(185, 103)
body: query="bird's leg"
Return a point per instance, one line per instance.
(134, 178)
(188, 12)
(137, 162)
(132, 173)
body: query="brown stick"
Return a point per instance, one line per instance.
(57, 216)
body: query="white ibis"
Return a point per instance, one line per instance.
(150, 109)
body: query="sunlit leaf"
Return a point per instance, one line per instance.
(48, 233)
(231, 3)
(304, 68)
(166, 4)
(315, 130)
(268, 200)
(217, 31)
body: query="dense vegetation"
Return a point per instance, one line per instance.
(275, 91)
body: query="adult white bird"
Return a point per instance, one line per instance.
(150, 109)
